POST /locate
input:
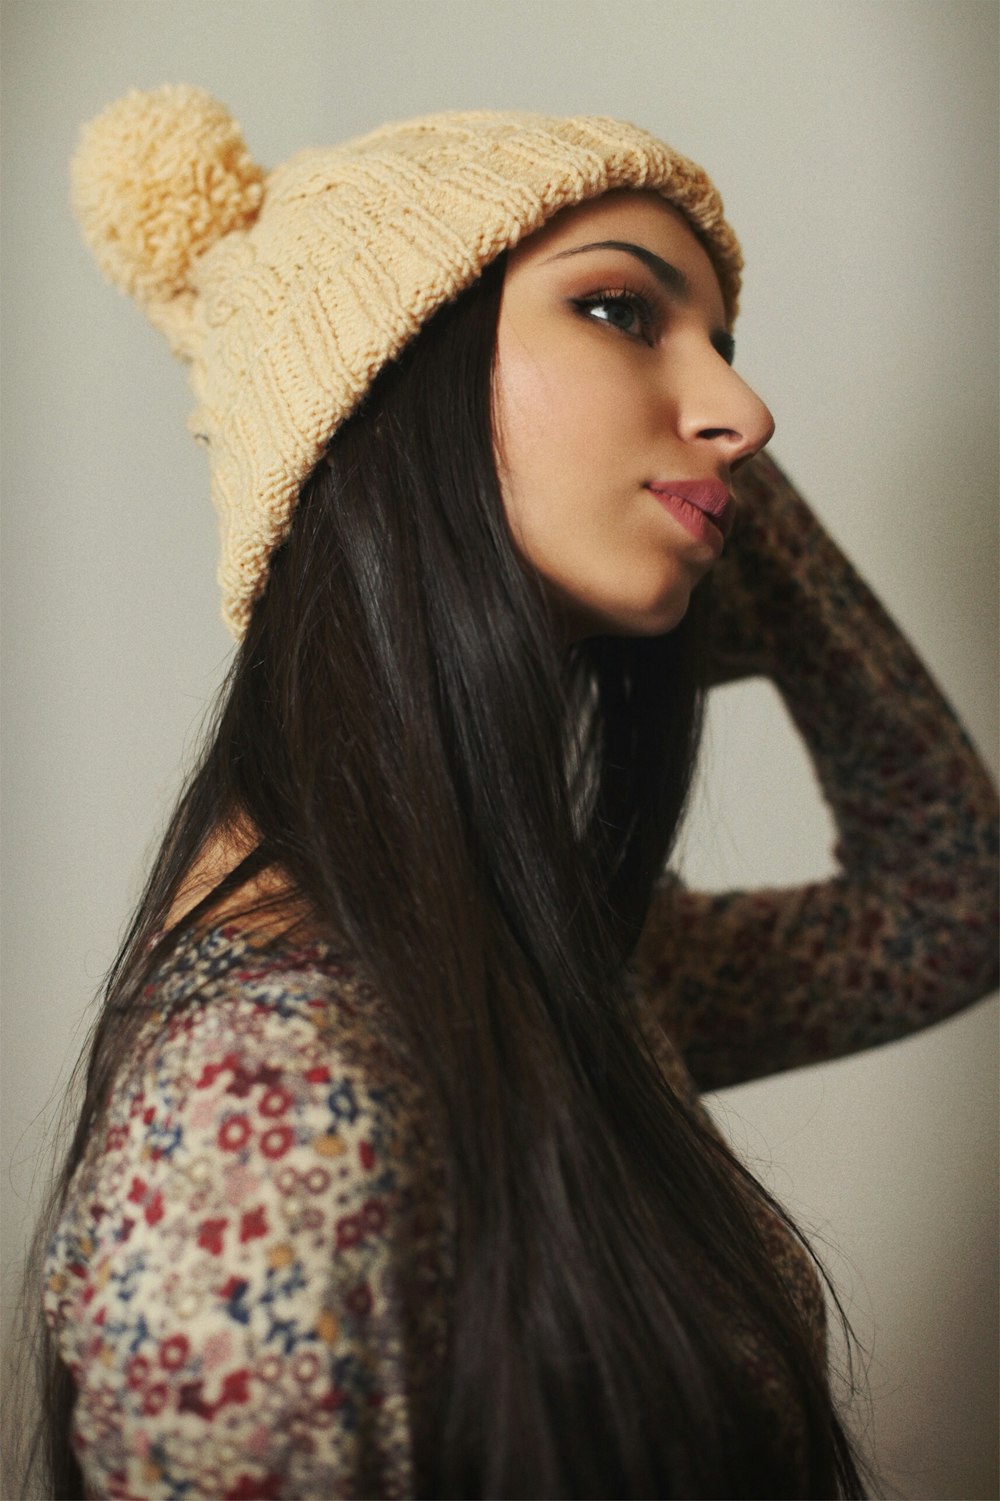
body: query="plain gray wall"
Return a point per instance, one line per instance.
(855, 146)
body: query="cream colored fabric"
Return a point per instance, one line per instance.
(287, 292)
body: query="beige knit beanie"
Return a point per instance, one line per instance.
(287, 291)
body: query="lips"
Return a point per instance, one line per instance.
(710, 497)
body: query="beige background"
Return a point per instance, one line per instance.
(855, 145)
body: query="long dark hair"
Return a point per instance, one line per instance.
(482, 814)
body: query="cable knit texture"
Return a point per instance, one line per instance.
(286, 293)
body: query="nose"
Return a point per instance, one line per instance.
(720, 410)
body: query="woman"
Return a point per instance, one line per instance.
(391, 1176)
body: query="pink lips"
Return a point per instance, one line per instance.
(704, 507)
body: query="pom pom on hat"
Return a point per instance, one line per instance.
(157, 178)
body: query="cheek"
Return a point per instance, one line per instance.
(560, 426)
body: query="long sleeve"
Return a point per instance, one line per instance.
(245, 1286)
(749, 983)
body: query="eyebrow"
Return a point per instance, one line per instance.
(671, 279)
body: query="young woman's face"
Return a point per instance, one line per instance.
(613, 385)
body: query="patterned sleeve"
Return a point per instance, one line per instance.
(749, 983)
(238, 1327)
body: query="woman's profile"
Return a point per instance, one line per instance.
(392, 1176)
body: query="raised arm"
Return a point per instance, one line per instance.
(749, 983)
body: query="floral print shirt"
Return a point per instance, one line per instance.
(250, 1279)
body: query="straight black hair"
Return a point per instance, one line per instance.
(482, 814)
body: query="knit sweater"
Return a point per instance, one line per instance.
(250, 1280)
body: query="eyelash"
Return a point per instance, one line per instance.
(648, 314)
(637, 301)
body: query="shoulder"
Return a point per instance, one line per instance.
(225, 1006)
(267, 1050)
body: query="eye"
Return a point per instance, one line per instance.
(622, 309)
